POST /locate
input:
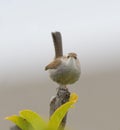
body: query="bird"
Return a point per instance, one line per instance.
(65, 70)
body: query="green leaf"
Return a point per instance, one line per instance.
(59, 114)
(34, 119)
(20, 122)
(29, 120)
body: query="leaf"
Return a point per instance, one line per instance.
(34, 119)
(73, 97)
(29, 120)
(59, 114)
(20, 122)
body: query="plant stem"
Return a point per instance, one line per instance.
(61, 97)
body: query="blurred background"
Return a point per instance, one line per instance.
(89, 28)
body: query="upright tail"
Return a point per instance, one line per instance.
(57, 40)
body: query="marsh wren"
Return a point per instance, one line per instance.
(65, 69)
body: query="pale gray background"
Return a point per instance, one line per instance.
(90, 28)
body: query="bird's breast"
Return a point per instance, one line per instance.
(66, 73)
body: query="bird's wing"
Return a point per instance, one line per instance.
(54, 64)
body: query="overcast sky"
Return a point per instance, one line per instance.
(90, 28)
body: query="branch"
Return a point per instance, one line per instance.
(61, 97)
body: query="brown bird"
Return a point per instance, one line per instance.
(65, 69)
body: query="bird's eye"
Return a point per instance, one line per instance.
(68, 57)
(75, 57)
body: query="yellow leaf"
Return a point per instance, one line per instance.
(20, 122)
(73, 97)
